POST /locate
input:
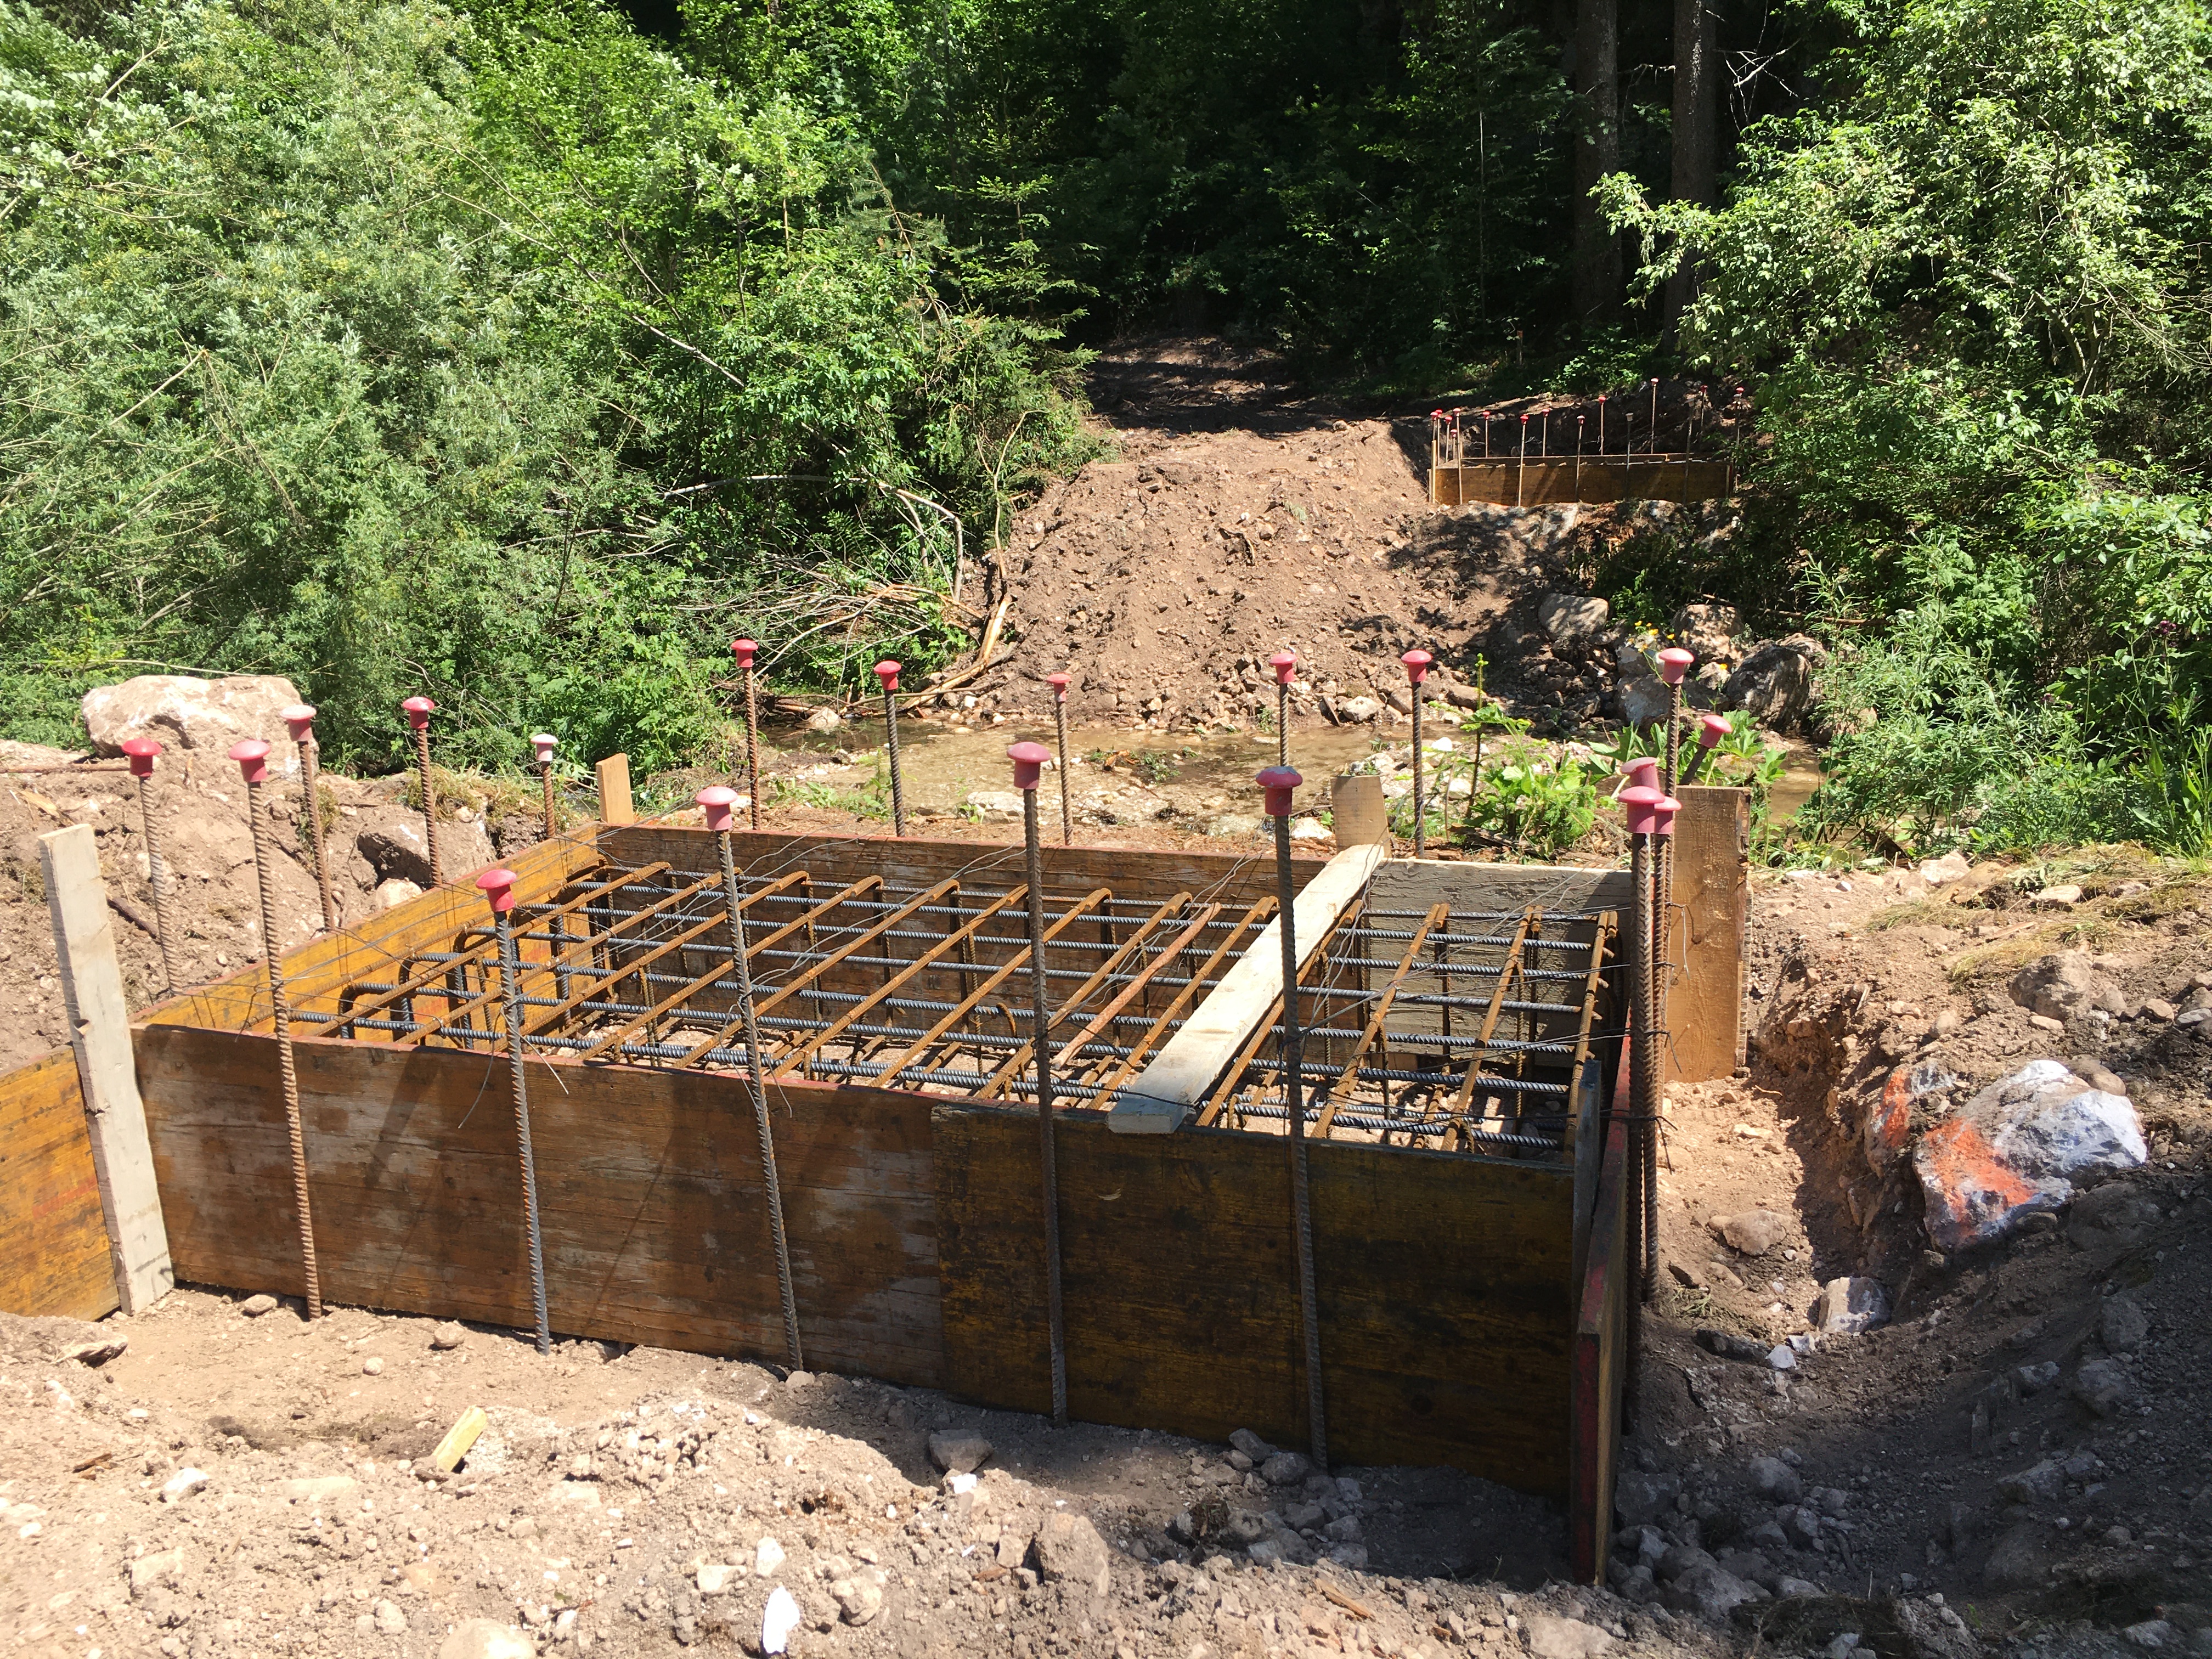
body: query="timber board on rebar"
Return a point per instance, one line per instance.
(1443, 1284)
(54, 1254)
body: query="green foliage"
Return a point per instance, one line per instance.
(1973, 287)
(499, 358)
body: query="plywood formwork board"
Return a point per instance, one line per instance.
(1143, 875)
(316, 972)
(1643, 479)
(652, 1205)
(1710, 918)
(1444, 1284)
(54, 1252)
(1600, 1365)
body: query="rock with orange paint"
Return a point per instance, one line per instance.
(1887, 1129)
(2017, 1148)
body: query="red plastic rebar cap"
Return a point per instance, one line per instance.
(1641, 804)
(721, 804)
(1524, 420)
(1642, 772)
(1663, 814)
(1029, 759)
(1280, 782)
(1417, 665)
(744, 651)
(544, 743)
(253, 758)
(1285, 664)
(888, 672)
(1673, 663)
(1712, 729)
(1436, 414)
(418, 711)
(1059, 684)
(299, 720)
(141, 752)
(498, 886)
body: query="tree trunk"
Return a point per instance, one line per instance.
(1697, 128)
(1597, 268)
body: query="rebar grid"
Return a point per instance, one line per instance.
(1458, 1030)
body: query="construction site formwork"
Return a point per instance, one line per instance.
(1461, 1033)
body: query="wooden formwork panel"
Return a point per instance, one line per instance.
(1601, 1364)
(1445, 1288)
(650, 1197)
(1547, 482)
(54, 1252)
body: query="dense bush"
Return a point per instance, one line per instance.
(501, 359)
(1973, 287)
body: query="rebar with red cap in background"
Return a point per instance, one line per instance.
(1281, 784)
(542, 744)
(1417, 669)
(1029, 759)
(418, 711)
(1711, 728)
(720, 805)
(746, 651)
(498, 887)
(1059, 682)
(1673, 663)
(1285, 664)
(144, 751)
(888, 671)
(299, 719)
(253, 758)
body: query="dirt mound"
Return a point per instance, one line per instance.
(1241, 519)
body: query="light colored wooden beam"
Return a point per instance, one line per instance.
(99, 1031)
(1164, 1094)
(614, 791)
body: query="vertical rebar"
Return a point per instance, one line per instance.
(888, 672)
(300, 718)
(746, 650)
(498, 885)
(1029, 760)
(1280, 783)
(719, 804)
(1417, 669)
(1644, 1072)
(1059, 683)
(418, 716)
(544, 743)
(1285, 664)
(1521, 466)
(253, 758)
(142, 751)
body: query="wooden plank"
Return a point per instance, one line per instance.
(1443, 1285)
(1600, 1366)
(1711, 917)
(100, 1025)
(1356, 812)
(614, 805)
(54, 1254)
(652, 1206)
(1141, 874)
(1164, 1094)
(315, 972)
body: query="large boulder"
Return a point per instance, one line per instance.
(183, 712)
(2065, 984)
(2017, 1148)
(1706, 630)
(392, 841)
(1775, 684)
(1643, 702)
(1575, 623)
